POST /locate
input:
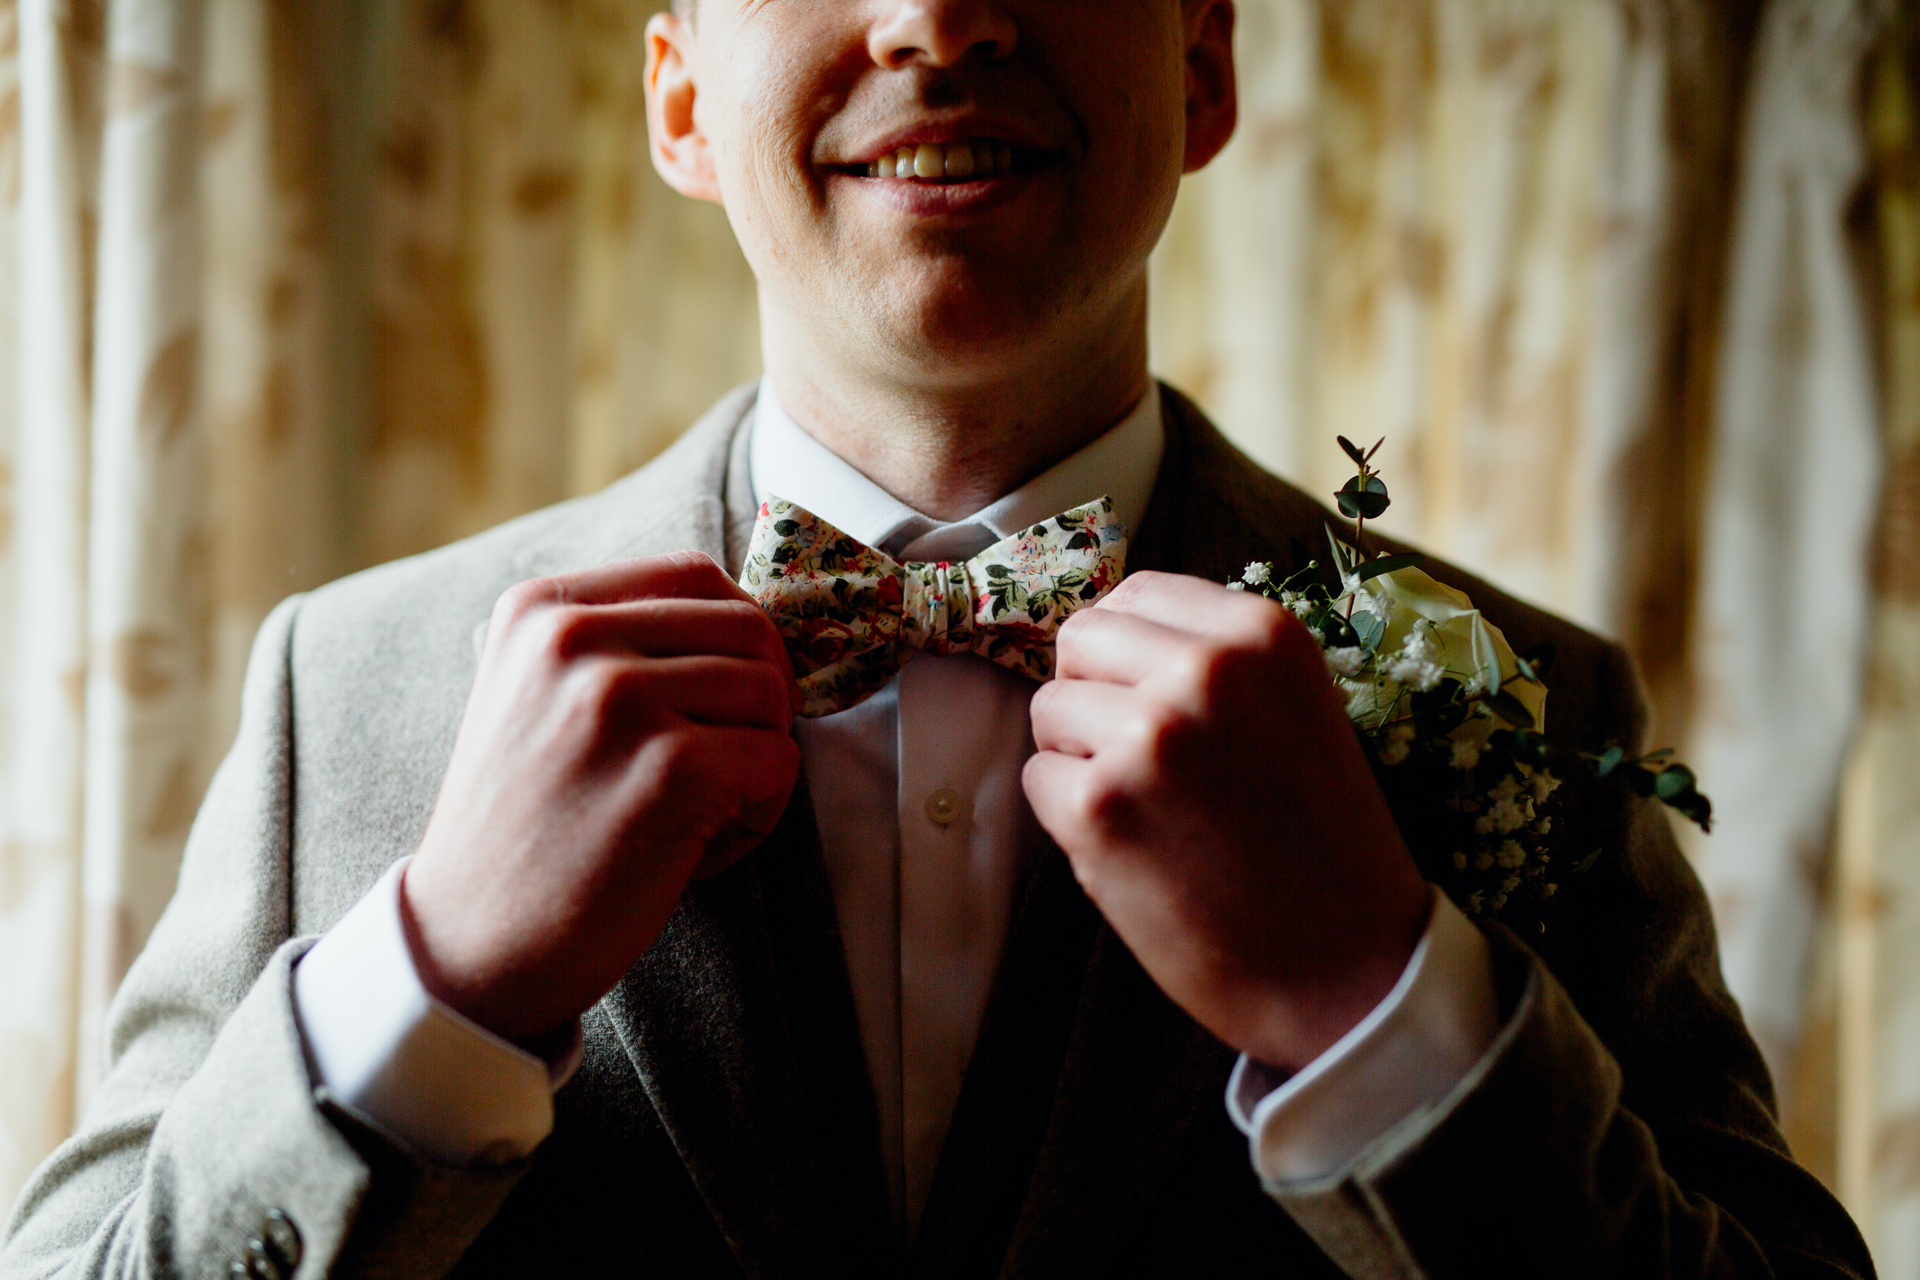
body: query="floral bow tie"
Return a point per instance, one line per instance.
(852, 616)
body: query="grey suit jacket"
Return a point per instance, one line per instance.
(722, 1123)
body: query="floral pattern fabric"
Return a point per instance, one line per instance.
(852, 616)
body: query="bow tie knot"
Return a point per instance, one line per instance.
(852, 616)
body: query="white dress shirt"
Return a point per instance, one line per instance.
(924, 830)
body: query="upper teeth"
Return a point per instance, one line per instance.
(944, 160)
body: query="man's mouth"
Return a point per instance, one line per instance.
(950, 161)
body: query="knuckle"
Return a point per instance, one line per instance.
(768, 687)
(563, 632)
(678, 760)
(696, 566)
(522, 599)
(1138, 583)
(1105, 807)
(594, 688)
(1161, 735)
(1203, 668)
(1272, 629)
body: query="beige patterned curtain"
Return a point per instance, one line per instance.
(286, 289)
(291, 287)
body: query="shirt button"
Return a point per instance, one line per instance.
(943, 806)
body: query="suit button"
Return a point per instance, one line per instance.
(262, 1265)
(943, 806)
(282, 1239)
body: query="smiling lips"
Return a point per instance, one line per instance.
(949, 161)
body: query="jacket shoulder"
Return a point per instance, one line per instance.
(671, 503)
(380, 664)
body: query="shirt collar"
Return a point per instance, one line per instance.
(788, 463)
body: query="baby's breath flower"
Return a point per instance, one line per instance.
(1544, 785)
(1417, 675)
(1414, 666)
(1398, 745)
(1508, 815)
(1476, 903)
(1257, 574)
(1483, 862)
(1548, 889)
(1347, 660)
(1507, 788)
(1297, 603)
(1459, 862)
(1236, 586)
(1543, 826)
(1511, 854)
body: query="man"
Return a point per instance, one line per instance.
(970, 976)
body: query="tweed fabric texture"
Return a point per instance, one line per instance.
(721, 1123)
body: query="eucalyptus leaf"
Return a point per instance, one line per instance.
(1336, 632)
(1369, 627)
(1528, 747)
(1353, 450)
(1386, 564)
(1693, 805)
(1674, 780)
(1363, 501)
(1607, 761)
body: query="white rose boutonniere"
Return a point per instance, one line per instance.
(1452, 719)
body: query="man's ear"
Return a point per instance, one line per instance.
(681, 150)
(1213, 95)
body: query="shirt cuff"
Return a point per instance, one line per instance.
(380, 1044)
(1402, 1058)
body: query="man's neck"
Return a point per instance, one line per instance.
(949, 445)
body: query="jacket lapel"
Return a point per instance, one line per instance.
(740, 1023)
(739, 1019)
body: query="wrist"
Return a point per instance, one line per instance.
(1295, 1019)
(455, 973)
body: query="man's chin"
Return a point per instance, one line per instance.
(967, 318)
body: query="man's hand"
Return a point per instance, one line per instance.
(1197, 766)
(627, 730)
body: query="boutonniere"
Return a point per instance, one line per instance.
(1451, 719)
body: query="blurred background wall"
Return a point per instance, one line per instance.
(1631, 287)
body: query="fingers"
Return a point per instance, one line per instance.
(1080, 806)
(658, 607)
(758, 766)
(1084, 717)
(689, 575)
(710, 690)
(1118, 648)
(1188, 604)
(675, 628)
(1054, 783)
(754, 772)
